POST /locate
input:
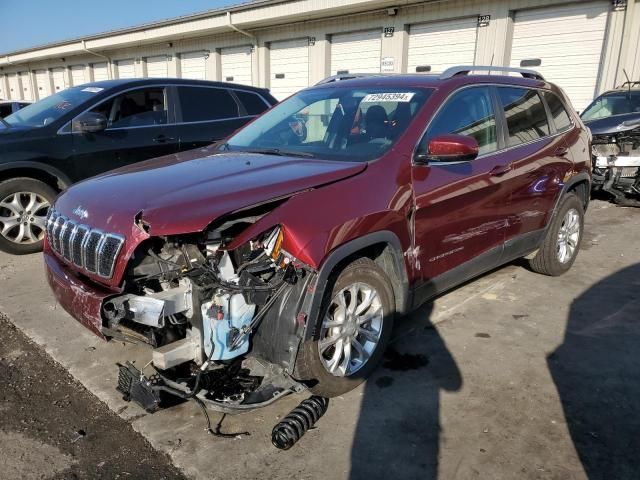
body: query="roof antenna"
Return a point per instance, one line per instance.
(628, 82)
(491, 64)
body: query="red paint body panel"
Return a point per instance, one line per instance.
(442, 217)
(79, 299)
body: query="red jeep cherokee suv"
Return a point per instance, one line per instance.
(278, 260)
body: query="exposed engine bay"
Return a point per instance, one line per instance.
(223, 325)
(616, 163)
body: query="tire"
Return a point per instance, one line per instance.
(22, 230)
(316, 358)
(549, 259)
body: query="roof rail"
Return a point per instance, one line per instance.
(467, 69)
(346, 76)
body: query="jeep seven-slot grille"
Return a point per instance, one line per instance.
(91, 249)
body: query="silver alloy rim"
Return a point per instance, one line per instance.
(568, 236)
(351, 329)
(23, 217)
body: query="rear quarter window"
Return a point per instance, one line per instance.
(253, 103)
(201, 104)
(525, 114)
(559, 114)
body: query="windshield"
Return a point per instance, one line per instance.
(617, 103)
(51, 108)
(347, 124)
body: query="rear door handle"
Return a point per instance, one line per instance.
(499, 170)
(163, 139)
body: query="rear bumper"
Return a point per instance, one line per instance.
(82, 302)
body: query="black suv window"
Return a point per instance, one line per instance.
(525, 114)
(253, 104)
(559, 114)
(135, 108)
(201, 104)
(5, 110)
(468, 112)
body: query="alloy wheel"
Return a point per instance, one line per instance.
(351, 329)
(568, 236)
(23, 217)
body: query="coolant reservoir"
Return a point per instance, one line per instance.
(221, 317)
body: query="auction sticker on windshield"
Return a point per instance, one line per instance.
(388, 97)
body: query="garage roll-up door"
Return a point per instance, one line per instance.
(126, 68)
(14, 87)
(157, 66)
(77, 75)
(3, 92)
(43, 84)
(436, 46)
(568, 40)
(59, 82)
(289, 61)
(236, 65)
(100, 71)
(355, 52)
(25, 83)
(193, 65)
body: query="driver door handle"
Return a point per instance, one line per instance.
(499, 170)
(561, 151)
(163, 139)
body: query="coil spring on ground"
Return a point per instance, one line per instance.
(292, 427)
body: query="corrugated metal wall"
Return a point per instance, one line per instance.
(435, 26)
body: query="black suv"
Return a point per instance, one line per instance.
(614, 121)
(96, 127)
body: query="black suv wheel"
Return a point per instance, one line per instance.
(24, 204)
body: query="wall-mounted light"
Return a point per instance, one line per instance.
(170, 44)
(392, 12)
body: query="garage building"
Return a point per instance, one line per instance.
(584, 46)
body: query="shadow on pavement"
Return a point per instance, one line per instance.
(597, 373)
(398, 428)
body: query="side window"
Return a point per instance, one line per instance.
(559, 114)
(253, 104)
(136, 108)
(525, 114)
(201, 104)
(469, 112)
(5, 110)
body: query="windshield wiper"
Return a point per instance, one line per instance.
(5, 123)
(280, 152)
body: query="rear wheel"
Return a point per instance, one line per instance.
(357, 319)
(24, 204)
(562, 242)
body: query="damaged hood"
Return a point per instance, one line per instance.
(184, 193)
(614, 124)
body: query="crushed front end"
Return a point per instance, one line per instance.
(616, 162)
(224, 325)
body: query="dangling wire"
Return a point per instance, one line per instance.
(217, 432)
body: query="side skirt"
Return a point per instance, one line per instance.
(512, 249)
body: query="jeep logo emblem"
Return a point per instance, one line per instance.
(81, 212)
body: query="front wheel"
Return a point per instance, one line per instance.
(24, 204)
(562, 241)
(357, 319)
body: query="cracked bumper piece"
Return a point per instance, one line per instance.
(81, 301)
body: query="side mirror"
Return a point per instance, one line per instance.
(449, 148)
(89, 122)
